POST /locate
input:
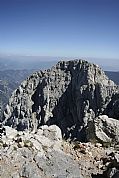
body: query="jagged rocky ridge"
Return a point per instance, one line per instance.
(9, 81)
(79, 98)
(70, 94)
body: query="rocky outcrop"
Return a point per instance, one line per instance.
(9, 81)
(104, 130)
(45, 136)
(112, 164)
(44, 154)
(35, 155)
(69, 95)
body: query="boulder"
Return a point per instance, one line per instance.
(58, 164)
(35, 155)
(103, 129)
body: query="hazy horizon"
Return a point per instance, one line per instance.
(44, 62)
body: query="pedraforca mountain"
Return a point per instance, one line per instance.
(70, 94)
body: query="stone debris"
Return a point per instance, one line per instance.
(35, 155)
(2, 130)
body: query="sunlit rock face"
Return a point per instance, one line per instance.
(70, 94)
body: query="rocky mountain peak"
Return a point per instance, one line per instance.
(70, 94)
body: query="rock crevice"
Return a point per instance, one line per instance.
(70, 94)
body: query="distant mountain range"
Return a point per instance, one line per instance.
(113, 76)
(9, 81)
(21, 62)
(26, 62)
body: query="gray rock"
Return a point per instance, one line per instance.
(41, 155)
(29, 170)
(69, 95)
(10, 132)
(15, 175)
(112, 169)
(64, 166)
(112, 109)
(103, 129)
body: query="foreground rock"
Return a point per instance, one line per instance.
(103, 129)
(35, 155)
(44, 154)
(69, 95)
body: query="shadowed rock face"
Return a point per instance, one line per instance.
(68, 95)
(103, 129)
(9, 81)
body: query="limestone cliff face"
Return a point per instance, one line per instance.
(68, 95)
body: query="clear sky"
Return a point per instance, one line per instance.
(84, 28)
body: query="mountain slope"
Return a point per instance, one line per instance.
(69, 95)
(9, 81)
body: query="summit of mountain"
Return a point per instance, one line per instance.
(69, 95)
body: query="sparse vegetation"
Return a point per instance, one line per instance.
(28, 143)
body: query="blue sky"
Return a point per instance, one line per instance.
(81, 28)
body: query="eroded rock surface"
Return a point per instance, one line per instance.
(80, 99)
(35, 155)
(69, 95)
(44, 154)
(104, 130)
